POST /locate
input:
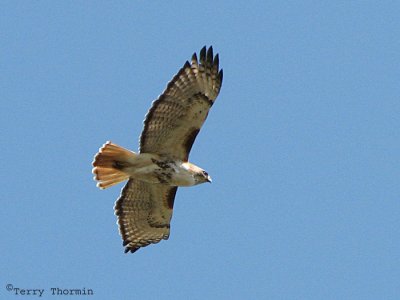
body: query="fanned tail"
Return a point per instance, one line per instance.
(109, 163)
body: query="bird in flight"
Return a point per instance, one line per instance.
(144, 208)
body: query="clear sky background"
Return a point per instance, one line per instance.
(303, 145)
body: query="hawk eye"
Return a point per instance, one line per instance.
(205, 173)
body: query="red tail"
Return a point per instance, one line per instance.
(109, 163)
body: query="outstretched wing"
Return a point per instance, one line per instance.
(144, 213)
(175, 118)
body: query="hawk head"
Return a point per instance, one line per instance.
(199, 175)
(202, 176)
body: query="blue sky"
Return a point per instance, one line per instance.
(302, 144)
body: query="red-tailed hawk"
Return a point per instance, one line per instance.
(144, 208)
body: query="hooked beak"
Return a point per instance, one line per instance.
(209, 179)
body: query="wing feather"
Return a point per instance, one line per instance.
(176, 117)
(144, 213)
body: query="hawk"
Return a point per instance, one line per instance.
(144, 208)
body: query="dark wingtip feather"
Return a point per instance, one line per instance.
(216, 62)
(221, 75)
(216, 59)
(131, 249)
(194, 58)
(203, 55)
(210, 56)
